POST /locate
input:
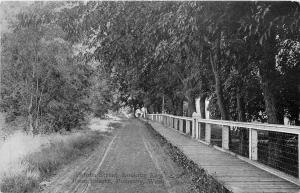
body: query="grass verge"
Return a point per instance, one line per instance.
(202, 181)
(26, 174)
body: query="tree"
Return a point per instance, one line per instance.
(43, 81)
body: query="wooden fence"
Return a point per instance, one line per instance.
(276, 146)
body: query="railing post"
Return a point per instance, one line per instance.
(253, 144)
(207, 132)
(194, 122)
(199, 130)
(173, 123)
(187, 126)
(225, 137)
(195, 128)
(167, 121)
(299, 156)
(181, 125)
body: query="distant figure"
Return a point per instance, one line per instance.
(144, 110)
(138, 113)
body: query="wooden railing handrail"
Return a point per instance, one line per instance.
(250, 125)
(203, 132)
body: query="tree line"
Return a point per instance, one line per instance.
(63, 60)
(243, 56)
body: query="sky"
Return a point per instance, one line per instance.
(8, 9)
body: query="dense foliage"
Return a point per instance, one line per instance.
(62, 60)
(42, 79)
(243, 56)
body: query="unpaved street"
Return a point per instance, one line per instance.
(129, 161)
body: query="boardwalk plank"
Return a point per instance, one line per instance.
(235, 174)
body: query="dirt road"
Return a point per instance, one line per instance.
(129, 161)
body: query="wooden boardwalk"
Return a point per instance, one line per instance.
(236, 175)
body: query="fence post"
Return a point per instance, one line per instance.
(299, 156)
(181, 125)
(207, 132)
(225, 137)
(187, 126)
(199, 125)
(167, 121)
(253, 144)
(175, 123)
(195, 128)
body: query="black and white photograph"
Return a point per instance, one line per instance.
(149, 96)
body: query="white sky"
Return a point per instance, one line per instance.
(8, 9)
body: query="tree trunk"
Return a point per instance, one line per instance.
(270, 90)
(275, 139)
(179, 107)
(241, 117)
(219, 90)
(218, 84)
(268, 76)
(270, 102)
(220, 97)
(202, 107)
(134, 111)
(163, 105)
(30, 116)
(191, 106)
(240, 106)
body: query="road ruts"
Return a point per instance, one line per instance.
(132, 161)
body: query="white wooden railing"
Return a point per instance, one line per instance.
(201, 129)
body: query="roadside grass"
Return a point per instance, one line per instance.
(26, 160)
(202, 181)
